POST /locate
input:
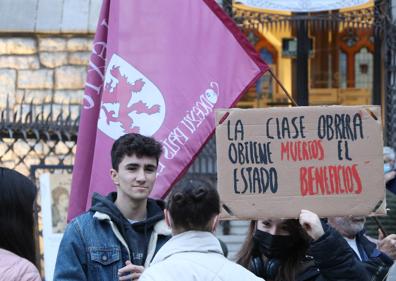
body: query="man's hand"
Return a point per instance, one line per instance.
(130, 272)
(387, 244)
(311, 224)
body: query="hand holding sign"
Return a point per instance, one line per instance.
(310, 222)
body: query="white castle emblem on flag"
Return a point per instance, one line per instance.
(131, 103)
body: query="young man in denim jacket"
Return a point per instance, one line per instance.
(121, 232)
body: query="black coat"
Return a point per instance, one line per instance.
(375, 262)
(333, 260)
(330, 259)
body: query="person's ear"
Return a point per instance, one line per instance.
(168, 218)
(114, 176)
(215, 222)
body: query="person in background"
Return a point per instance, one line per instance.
(375, 255)
(303, 249)
(387, 244)
(17, 245)
(376, 262)
(193, 253)
(389, 165)
(118, 237)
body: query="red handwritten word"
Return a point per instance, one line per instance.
(329, 180)
(302, 150)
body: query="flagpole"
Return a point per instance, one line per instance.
(283, 88)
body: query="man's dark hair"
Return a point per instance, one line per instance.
(192, 204)
(137, 144)
(17, 195)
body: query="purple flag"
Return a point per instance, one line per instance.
(158, 68)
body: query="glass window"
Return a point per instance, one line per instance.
(363, 69)
(343, 70)
(264, 84)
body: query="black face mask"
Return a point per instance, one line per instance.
(273, 246)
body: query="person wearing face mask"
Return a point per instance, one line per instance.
(375, 258)
(303, 249)
(389, 168)
(193, 253)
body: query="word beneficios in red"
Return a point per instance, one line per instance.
(302, 150)
(330, 180)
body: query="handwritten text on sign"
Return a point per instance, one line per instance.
(302, 153)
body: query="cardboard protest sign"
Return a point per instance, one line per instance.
(273, 162)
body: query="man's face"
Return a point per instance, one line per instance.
(348, 226)
(135, 177)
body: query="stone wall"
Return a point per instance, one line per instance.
(44, 70)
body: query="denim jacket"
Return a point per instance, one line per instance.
(95, 245)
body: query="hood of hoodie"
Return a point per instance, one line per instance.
(105, 204)
(136, 235)
(189, 241)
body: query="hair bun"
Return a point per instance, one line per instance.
(178, 198)
(199, 193)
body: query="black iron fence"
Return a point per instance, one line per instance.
(36, 140)
(30, 136)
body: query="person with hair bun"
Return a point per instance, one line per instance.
(193, 253)
(17, 247)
